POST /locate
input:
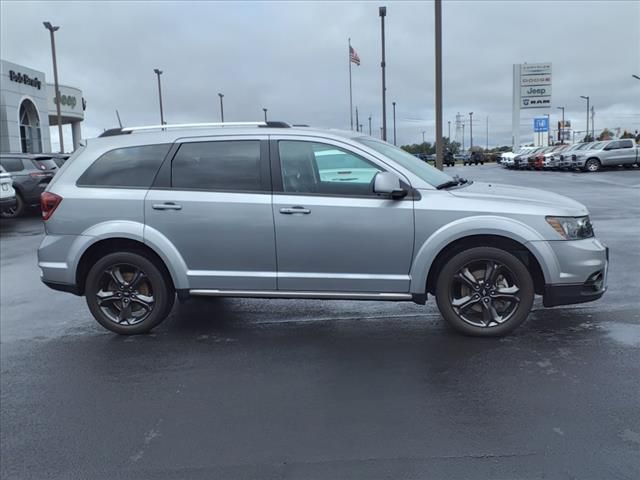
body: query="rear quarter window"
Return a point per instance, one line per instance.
(129, 167)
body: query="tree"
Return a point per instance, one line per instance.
(587, 138)
(606, 134)
(627, 134)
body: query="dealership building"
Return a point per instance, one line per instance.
(28, 108)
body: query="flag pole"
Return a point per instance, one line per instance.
(350, 88)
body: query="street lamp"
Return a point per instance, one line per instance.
(470, 130)
(587, 99)
(158, 73)
(53, 29)
(221, 108)
(423, 132)
(449, 134)
(265, 114)
(562, 126)
(394, 123)
(369, 125)
(383, 13)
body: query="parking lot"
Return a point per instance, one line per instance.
(233, 388)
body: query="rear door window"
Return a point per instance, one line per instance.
(222, 165)
(627, 143)
(130, 167)
(12, 164)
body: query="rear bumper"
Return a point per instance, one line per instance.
(62, 287)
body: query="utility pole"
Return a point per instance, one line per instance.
(53, 29)
(562, 127)
(383, 13)
(487, 132)
(587, 99)
(470, 130)
(394, 123)
(158, 73)
(449, 136)
(593, 123)
(221, 108)
(438, 81)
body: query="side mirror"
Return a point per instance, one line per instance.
(386, 183)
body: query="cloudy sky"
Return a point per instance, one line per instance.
(292, 59)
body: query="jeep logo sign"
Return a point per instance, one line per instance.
(535, 91)
(67, 100)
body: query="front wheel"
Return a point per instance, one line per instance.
(592, 165)
(484, 291)
(128, 294)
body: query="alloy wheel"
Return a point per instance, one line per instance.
(484, 293)
(125, 295)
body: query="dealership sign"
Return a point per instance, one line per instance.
(25, 79)
(535, 85)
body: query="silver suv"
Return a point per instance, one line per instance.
(270, 211)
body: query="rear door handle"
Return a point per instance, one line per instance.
(294, 210)
(166, 206)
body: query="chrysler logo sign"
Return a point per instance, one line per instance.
(25, 79)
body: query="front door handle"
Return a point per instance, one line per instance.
(294, 210)
(166, 206)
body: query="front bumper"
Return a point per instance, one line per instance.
(7, 202)
(592, 288)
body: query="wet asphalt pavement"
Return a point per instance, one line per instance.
(232, 388)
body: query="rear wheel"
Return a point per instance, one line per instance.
(484, 291)
(16, 210)
(128, 294)
(592, 165)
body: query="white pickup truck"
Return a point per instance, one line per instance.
(7, 193)
(607, 154)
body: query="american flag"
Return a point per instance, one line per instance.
(354, 56)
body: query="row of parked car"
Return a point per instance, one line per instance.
(23, 177)
(450, 159)
(589, 157)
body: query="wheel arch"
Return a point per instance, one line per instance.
(508, 234)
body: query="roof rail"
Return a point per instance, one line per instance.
(195, 125)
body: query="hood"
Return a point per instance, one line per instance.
(511, 197)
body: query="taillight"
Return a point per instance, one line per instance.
(38, 175)
(48, 204)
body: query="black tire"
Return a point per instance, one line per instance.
(15, 212)
(485, 302)
(109, 276)
(592, 165)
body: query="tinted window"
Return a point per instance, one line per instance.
(625, 143)
(125, 167)
(309, 167)
(45, 164)
(223, 165)
(12, 164)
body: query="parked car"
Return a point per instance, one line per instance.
(474, 158)
(449, 159)
(608, 154)
(268, 212)
(31, 173)
(545, 161)
(7, 192)
(565, 159)
(521, 161)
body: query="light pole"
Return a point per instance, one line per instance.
(470, 130)
(449, 134)
(463, 136)
(394, 123)
(52, 29)
(221, 108)
(423, 132)
(562, 127)
(383, 13)
(438, 81)
(158, 73)
(369, 125)
(265, 114)
(587, 99)
(487, 132)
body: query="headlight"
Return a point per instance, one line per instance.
(571, 228)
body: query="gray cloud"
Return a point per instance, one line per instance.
(292, 59)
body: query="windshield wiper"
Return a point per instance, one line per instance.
(452, 183)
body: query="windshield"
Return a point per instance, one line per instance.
(426, 172)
